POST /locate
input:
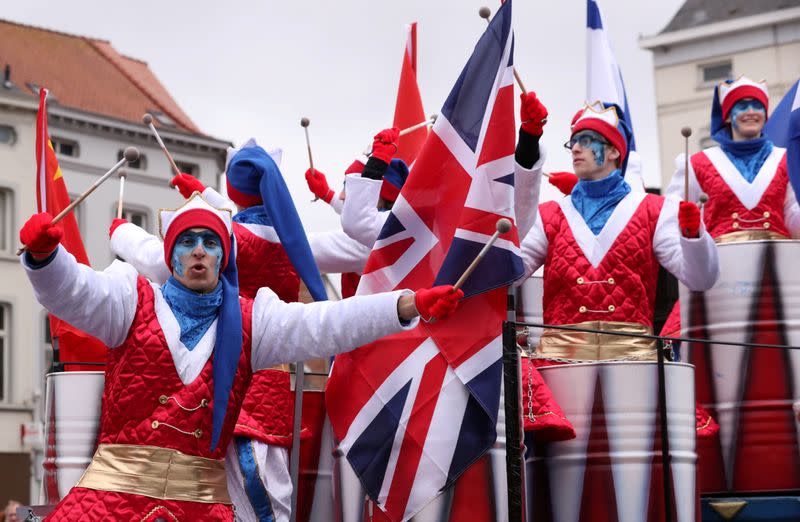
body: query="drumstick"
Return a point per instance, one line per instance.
(408, 130)
(702, 200)
(148, 120)
(503, 225)
(485, 13)
(686, 132)
(305, 122)
(130, 154)
(122, 176)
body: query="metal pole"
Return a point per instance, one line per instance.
(666, 460)
(512, 409)
(294, 461)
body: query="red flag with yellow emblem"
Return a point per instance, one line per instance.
(52, 196)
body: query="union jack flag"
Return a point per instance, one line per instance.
(414, 410)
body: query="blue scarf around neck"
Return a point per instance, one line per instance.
(194, 311)
(596, 200)
(748, 155)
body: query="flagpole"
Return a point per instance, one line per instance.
(514, 477)
(130, 154)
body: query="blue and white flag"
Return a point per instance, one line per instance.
(603, 77)
(777, 127)
(793, 140)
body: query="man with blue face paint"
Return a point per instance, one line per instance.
(745, 177)
(604, 238)
(182, 355)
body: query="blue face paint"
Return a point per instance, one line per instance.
(590, 140)
(189, 240)
(742, 106)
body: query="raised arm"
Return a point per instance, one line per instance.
(693, 260)
(361, 219)
(142, 250)
(102, 304)
(335, 252)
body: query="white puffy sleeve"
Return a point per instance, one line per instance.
(534, 249)
(361, 218)
(336, 253)
(288, 332)
(791, 212)
(142, 250)
(527, 186)
(675, 189)
(693, 261)
(102, 304)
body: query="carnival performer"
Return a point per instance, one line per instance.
(601, 246)
(169, 407)
(745, 177)
(258, 469)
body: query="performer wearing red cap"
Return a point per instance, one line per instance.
(259, 456)
(602, 245)
(182, 356)
(745, 177)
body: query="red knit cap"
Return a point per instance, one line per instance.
(601, 123)
(196, 218)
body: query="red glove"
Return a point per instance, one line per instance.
(40, 235)
(532, 113)
(437, 302)
(384, 145)
(114, 224)
(187, 184)
(563, 181)
(318, 185)
(689, 219)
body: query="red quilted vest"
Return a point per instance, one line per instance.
(724, 213)
(621, 288)
(144, 400)
(263, 263)
(268, 407)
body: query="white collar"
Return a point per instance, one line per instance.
(595, 248)
(749, 194)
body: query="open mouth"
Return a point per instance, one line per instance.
(197, 269)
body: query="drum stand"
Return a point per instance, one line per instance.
(511, 381)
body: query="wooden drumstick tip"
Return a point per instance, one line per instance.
(433, 118)
(122, 174)
(686, 132)
(305, 122)
(485, 12)
(147, 118)
(131, 154)
(503, 225)
(702, 198)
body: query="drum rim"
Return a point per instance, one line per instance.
(77, 373)
(675, 364)
(757, 241)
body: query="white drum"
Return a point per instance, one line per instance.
(72, 419)
(750, 392)
(529, 305)
(612, 470)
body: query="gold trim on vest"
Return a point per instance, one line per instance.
(748, 235)
(156, 472)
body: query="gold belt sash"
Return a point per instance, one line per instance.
(748, 235)
(155, 472)
(569, 346)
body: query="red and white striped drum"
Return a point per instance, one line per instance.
(72, 418)
(612, 470)
(750, 392)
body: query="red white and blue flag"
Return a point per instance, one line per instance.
(414, 410)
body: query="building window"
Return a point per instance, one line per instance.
(713, 73)
(5, 347)
(65, 147)
(8, 135)
(188, 168)
(140, 163)
(6, 220)
(136, 216)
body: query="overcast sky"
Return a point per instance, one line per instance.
(253, 68)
